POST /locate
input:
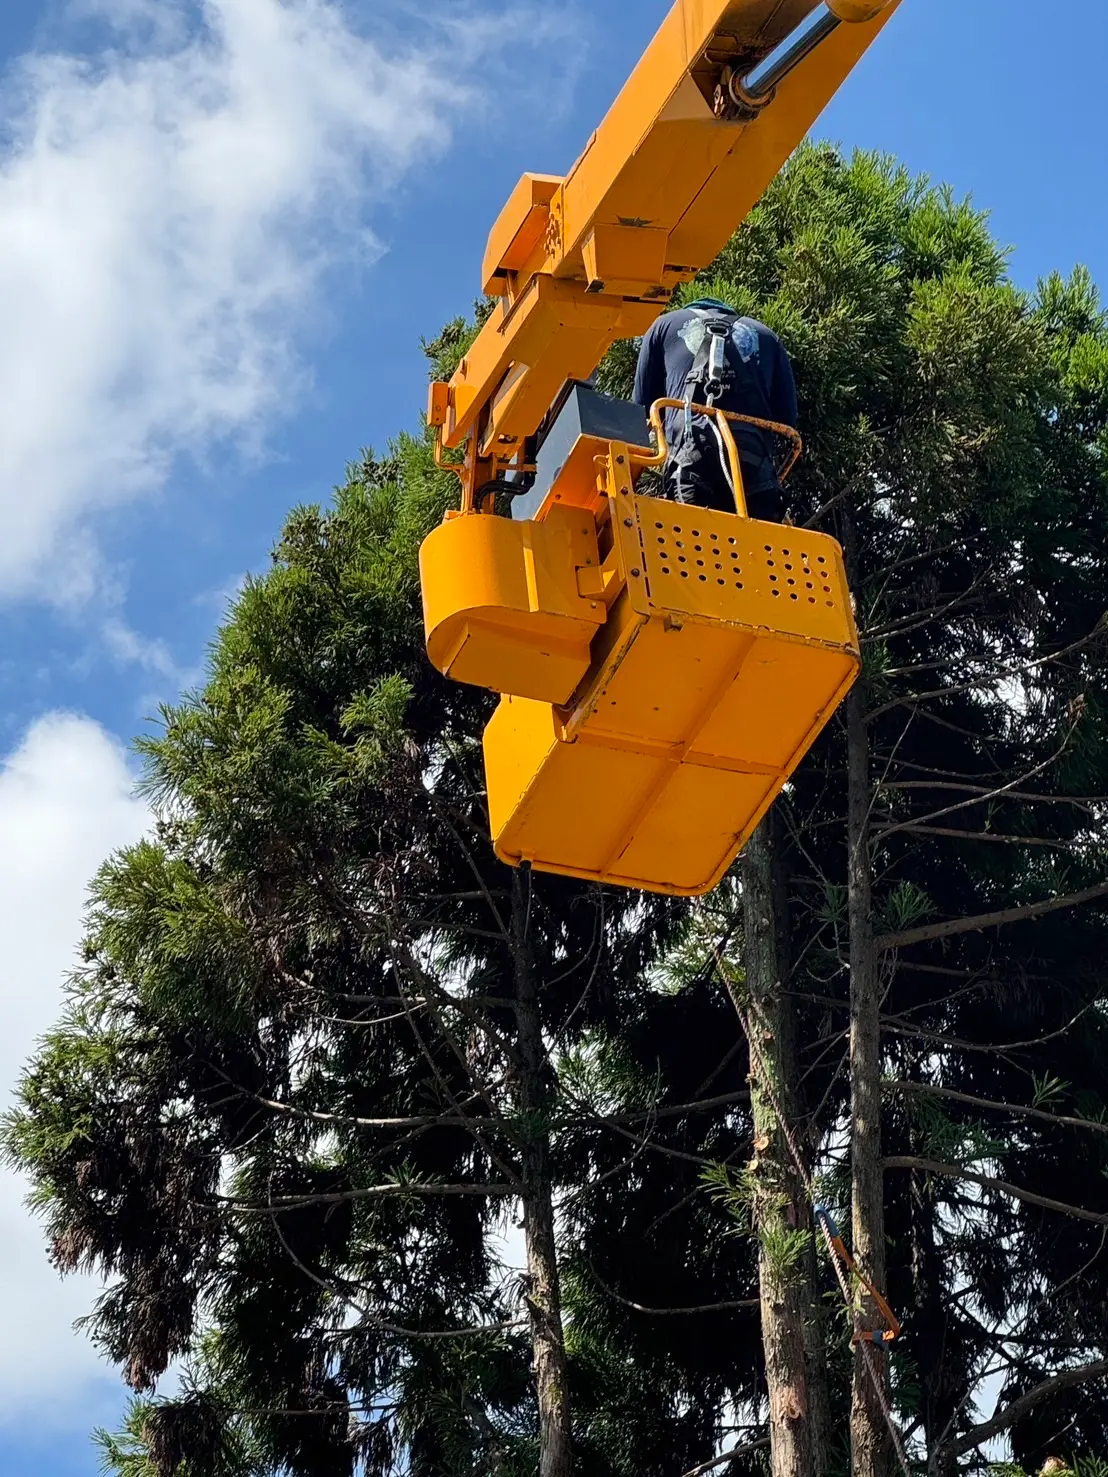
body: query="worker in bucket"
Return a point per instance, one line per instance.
(707, 354)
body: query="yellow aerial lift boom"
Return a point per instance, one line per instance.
(663, 669)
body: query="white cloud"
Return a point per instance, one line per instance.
(131, 648)
(65, 803)
(127, 647)
(168, 207)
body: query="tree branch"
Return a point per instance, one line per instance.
(671, 1312)
(931, 931)
(910, 828)
(957, 1172)
(721, 1461)
(371, 1192)
(992, 679)
(1014, 1412)
(927, 1090)
(1085, 802)
(973, 801)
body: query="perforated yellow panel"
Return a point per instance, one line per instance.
(735, 569)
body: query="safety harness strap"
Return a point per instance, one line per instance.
(707, 336)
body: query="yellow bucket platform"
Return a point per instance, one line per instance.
(728, 648)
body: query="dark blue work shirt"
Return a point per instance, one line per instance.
(761, 385)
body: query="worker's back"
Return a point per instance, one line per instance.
(758, 382)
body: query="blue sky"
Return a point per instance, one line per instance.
(223, 229)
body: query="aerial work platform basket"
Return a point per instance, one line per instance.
(663, 670)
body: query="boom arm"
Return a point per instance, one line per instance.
(723, 95)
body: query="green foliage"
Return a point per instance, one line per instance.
(904, 907)
(448, 350)
(785, 1251)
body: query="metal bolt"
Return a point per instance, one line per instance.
(628, 523)
(619, 461)
(635, 574)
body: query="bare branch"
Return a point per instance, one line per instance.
(671, 1312)
(925, 1089)
(431, 1120)
(899, 1027)
(648, 1143)
(1083, 801)
(957, 1172)
(678, 1110)
(911, 828)
(721, 1461)
(1014, 1412)
(974, 800)
(370, 1192)
(991, 679)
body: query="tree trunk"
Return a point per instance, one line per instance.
(940, 1381)
(871, 1449)
(544, 1294)
(815, 1344)
(794, 1356)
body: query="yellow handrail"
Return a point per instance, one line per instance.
(659, 457)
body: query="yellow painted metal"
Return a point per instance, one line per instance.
(438, 404)
(503, 602)
(624, 259)
(727, 650)
(519, 231)
(659, 189)
(529, 347)
(856, 10)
